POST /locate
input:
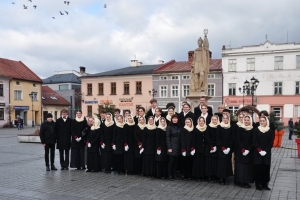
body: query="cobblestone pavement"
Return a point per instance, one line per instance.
(23, 176)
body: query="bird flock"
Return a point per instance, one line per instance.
(60, 12)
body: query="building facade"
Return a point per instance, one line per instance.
(172, 83)
(4, 100)
(276, 66)
(125, 88)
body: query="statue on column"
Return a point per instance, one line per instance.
(200, 66)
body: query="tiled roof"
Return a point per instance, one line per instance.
(62, 78)
(17, 70)
(50, 97)
(185, 66)
(142, 69)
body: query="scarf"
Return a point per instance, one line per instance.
(248, 128)
(201, 128)
(266, 128)
(239, 124)
(108, 124)
(164, 128)
(212, 125)
(142, 126)
(205, 116)
(130, 124)
(223, 125)
(151, 127)
(120, 125)
(168, 117)
(189, 129)
(96, 124)
(79, 119)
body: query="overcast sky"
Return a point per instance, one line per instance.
(102, 39)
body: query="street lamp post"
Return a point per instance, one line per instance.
(243, 91)
(31, 96)
(249, 88)
(153, 92)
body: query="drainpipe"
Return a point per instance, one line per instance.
(222, 88)
(9, 110)
(179, 89)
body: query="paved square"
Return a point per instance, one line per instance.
(23, 176)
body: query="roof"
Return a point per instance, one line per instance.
(138, 70)
(17, 70)
(50, 97)
(62, 78)
(185, 66)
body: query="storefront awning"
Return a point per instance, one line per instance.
(21, 107)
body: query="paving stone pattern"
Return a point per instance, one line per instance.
(23, 176)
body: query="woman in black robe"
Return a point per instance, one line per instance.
(138, 134)
(244, 153)
(79, 125)
(118, 145)
(186, 135)
(262, 143)
(224, 144)
(148, 148)
(92, 143)
(105, 142)
(169, 114)
(161, 149)
(198, 147)
(210, 152)
(157, 116)
(128, 145)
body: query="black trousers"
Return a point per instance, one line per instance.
(51, 148)
(64, 158)
(172, 165)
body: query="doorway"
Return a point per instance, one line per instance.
(25, 118)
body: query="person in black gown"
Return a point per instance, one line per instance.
(118, 145)
(157, 116)
(161, 149)
(138, 134)
(262, 143)
(92, 142)
(198, 143)
(129, 144)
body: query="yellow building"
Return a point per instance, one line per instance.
(25, 89)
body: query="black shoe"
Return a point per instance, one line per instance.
(245, 185)
(62, 168)
(265, 186)
(258, 186)
(53, 168)
(66, 168)
(47, 168)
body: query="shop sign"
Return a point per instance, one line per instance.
(91, 102)
(126, 99)
(126, 104)
(21, 107)
(237, 100)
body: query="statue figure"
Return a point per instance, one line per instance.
(200, 66)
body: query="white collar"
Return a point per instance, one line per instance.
(205, 116)
(156, 119)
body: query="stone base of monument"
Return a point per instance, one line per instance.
(29, 138)
(194, 98)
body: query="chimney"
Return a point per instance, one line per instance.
(223, 48)
(140, 63)
(161, 62)
(133, 63)
(82, 70)
(190, 56)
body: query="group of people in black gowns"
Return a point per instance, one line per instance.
(188, 145)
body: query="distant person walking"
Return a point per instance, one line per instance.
(291, 128)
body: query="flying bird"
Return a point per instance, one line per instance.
(34, 6)
(30, 0)
(25, 7)
(13, 2)
(67, 12)
(105, 6)
(53, 17)
(61, 13)
(67, 2)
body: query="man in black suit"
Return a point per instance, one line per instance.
(151, 111)
(186, 113)
(197, 110)
(102, 117)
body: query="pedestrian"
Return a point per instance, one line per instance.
(139, 130)
(173, 145)
(105, 142)
(187, 150)
(244, 153)
(161, 157)
(148, 147)
(22, 122)
(118, 145)
(224, 144)
(128, 145)
(64, 134)
(198, 143)
(18, 122)
(291, 128)
(48, 139)
(262, 143)
(79, 128)
(93, 144)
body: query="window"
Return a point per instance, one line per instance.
(297, 87)
(1, 113)
(186, 90)
(211, 90)
(113, 88)
(232, 65)
(163, 78)
(298, 61)
(89, 110)
(1, 90)
(100, 89)
(278, 62)
(232, 87)
(55, 115)
(278, 88)
(174, 90)
(138, 87)
(18, 94)
(89, 89)
(174, 77)
(186, 77)
(210, 76)
(250, 64)
(297, 111)
(277, 111)
(34, 96)
(74, 87)
(126, 87)
(163, 91)
(63, 87)
(233, 109)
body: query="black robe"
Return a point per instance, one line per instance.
(118, 140)
(93, 156)
(198, 142)
(129, 140)
(148, 143)
(106, 153)
(198, 111)
(64, 133)
(162, 144)
(210, 159)
(264, 141)
(188, 115)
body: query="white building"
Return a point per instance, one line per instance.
(276, 66)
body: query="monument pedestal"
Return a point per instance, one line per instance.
(194, 98)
